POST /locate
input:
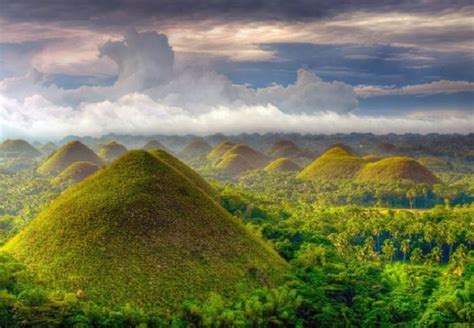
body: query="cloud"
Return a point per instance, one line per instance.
(35, 117)
(145, 64)
(436, 87)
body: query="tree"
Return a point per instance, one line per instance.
(405, 248)
(388, 249)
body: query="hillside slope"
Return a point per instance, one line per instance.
(140, 233)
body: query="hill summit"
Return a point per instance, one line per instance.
(70, 153)
(111, 151)
(154, 144)
(219, 150)
(338, 163)
(141, 233)
(18, 148)
(282, 164)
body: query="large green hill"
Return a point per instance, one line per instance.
(198, 147)
(70, 153)
(335, 164)
(75, 173)
(397, 168)
(219, 150)
(138, 232)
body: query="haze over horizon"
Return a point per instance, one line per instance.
(181, 67)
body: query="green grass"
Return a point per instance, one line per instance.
(18, 148)
(395, 169)
(139, 232)
(75, 173)
(335, 164)
(282, 164)
(112, 151)
(68, 154)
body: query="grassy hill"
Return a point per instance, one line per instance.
(18, 148)
(219, 150)
(196, 148)
(234, 165)
(335, 164)
(112, 151)
(385, 148)
(188, 172)
(371, 158)
(76, 172)
(70, 153)
(140, 233)
(255, 158)
(282, 164)
(395, 169)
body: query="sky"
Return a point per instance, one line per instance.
(148, 67)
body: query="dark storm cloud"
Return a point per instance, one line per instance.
(100, 12)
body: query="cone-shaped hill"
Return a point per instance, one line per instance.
(371, 158)
(18, 148)
(234, 165)
(154, 144)
(188, 172)
(196, 148)
(219, 150)
(335, 164)
(112, 151)
(255, 158)
(70, 153)
(395, 169)
(76, 172)
(282, 164)
(138, 232)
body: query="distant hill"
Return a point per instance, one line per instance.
(18, 148)
(282, 164)
(385, 148)
(335, 164)
(155, 144)
(70, 153)
(219, 150)
(76, 172)
(255, 158)
(48, 148)
(112, 151)
(395, 169)
(287, 148)
(138, 232)
(234, 165)
(345, 147)
(371, 158)
(196, 148)
(188, 172)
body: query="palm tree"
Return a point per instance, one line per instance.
(388, 249)
(405, 248)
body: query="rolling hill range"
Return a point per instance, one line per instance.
(340, 164)
(154, 144)
(111, 151)
(18, 148)
(70, 153)
(139, 232)
(282, 164)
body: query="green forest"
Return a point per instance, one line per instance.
(242, 231)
